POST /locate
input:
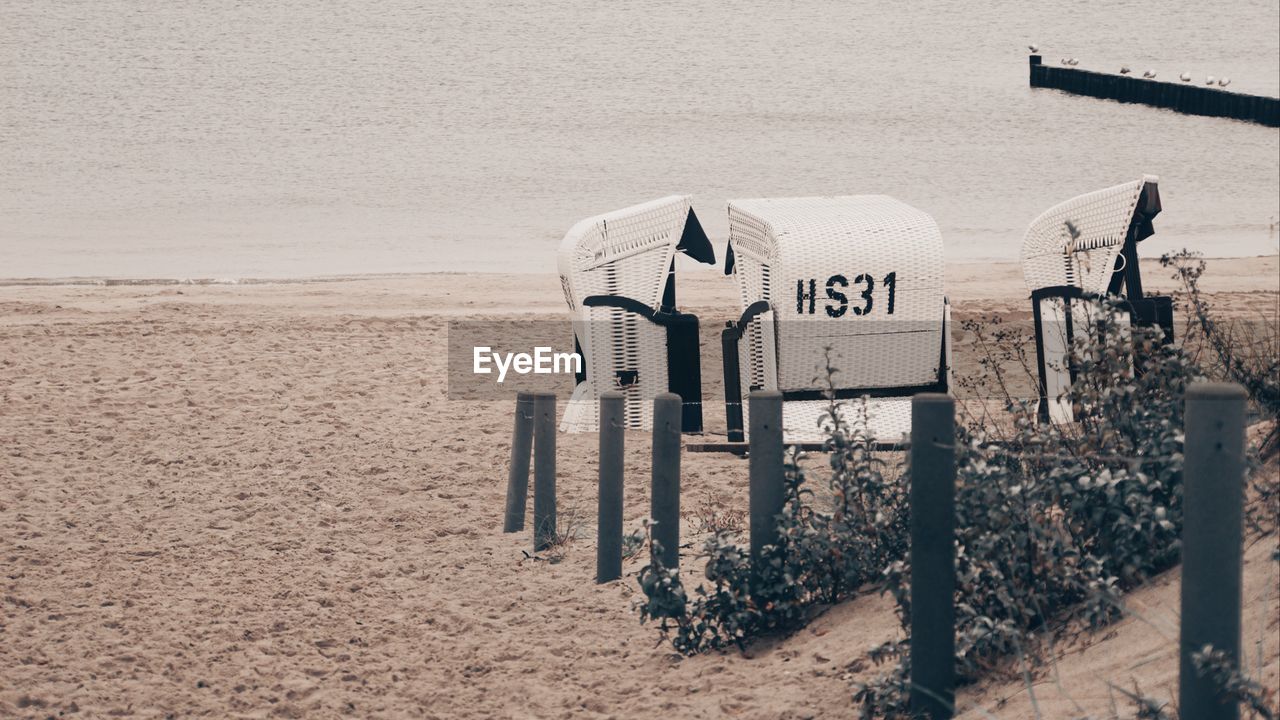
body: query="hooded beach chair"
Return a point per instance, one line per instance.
(858, 275)
(618, 275)
(1073, 254)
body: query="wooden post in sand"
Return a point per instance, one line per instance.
(664, 498)
(609, 523)
(1212, 542)
(933, 556)
(544, 471)
(729, 338)
(518, 473)
(767, 493)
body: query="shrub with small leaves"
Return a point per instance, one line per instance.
(1260, 702)
(1145, 707)
(1053, 522)
(633, 543)
(1244, 352)
(821, 556)
(886, 696)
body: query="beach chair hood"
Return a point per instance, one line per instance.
(1076, 253)
(856, 280)
(617, 271)
(1076, 243)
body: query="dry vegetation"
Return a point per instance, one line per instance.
(1055, 523)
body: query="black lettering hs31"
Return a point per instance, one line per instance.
(837, 305)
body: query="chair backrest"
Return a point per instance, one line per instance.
(859, 274)
(1078, 243)
(629, 254)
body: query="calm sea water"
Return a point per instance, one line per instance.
(141, 138)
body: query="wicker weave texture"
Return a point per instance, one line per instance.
(625, 253)
(887, 420)
(1053, 255)
(1060, 337)
(621, 344)
(1056, 346)
(791, 249)
(757, 360)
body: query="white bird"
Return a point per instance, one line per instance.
(1073, 62)
(1209, 81)
(1185, 77)
(1033, 48)
(1149, 74)
(1224, 82)
(1124, 70)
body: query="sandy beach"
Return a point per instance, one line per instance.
(257, 500)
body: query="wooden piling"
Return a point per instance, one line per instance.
(544, 471)
(729, 338)
(1178, 96)
(664, 496)
(767, 492)
(518, 471)
(1212, 542)
(933, 571)
(609, 519)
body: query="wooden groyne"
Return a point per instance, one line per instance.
(1183, 97)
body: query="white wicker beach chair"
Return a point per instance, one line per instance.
(1078, 251)
(858, 275)
(618, 275)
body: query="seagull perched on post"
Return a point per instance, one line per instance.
(1124, 70)
(1033, 48)
(1150, 74)
(1224, 82)
(1185, 77)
